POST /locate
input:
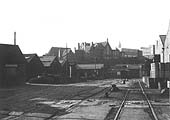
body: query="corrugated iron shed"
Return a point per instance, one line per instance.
(47, 60)
(90, 66)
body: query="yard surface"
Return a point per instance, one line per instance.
(72, 101)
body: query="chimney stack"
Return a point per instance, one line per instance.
(78, 46)
(92, 44)
(14, 38)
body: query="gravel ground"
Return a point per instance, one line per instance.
(42, 99)
(19, 99)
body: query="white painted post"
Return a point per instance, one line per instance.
(70, 71)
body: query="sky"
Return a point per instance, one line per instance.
(42, 24)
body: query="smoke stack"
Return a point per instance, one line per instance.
(14, 38)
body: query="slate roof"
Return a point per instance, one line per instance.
(57, 51)
(65, 52)
(47, 60)
(11, 54)
(129, 66)
(101, 44)
(130, 52)
(29, 57)
(90, 66)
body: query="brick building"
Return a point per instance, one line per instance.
(101, 51)
(131, 52)
(148, 52)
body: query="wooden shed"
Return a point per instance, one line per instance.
(90, 71)
(51, 64)
(34, 66)
(12, 65)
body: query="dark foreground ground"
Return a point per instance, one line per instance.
(73, 101)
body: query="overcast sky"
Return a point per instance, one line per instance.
(41, 24)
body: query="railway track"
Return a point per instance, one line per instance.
(84, 94)
(103, 89)
(137, 99)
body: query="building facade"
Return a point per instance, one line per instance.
(34, 66)
(101, 51)
(58, 51)
(85, 46)
(148, 52)
(12, 65)
(160, 48)
(131, 52)
(167, 46)
(51, 64)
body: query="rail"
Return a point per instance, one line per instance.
(149, 103)
(121, 106)
(124, 100)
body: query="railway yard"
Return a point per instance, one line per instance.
(92, 100)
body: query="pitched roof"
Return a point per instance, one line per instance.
(129, 50)
(90, 66)
(11, 54)
(57, 51)
(117, 49)
(129, 66)
(103, 43)
(47, 60)
(69, 55)
(29, 57)
(65, 52)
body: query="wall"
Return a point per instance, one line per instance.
(34, 68)
(167, 46)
